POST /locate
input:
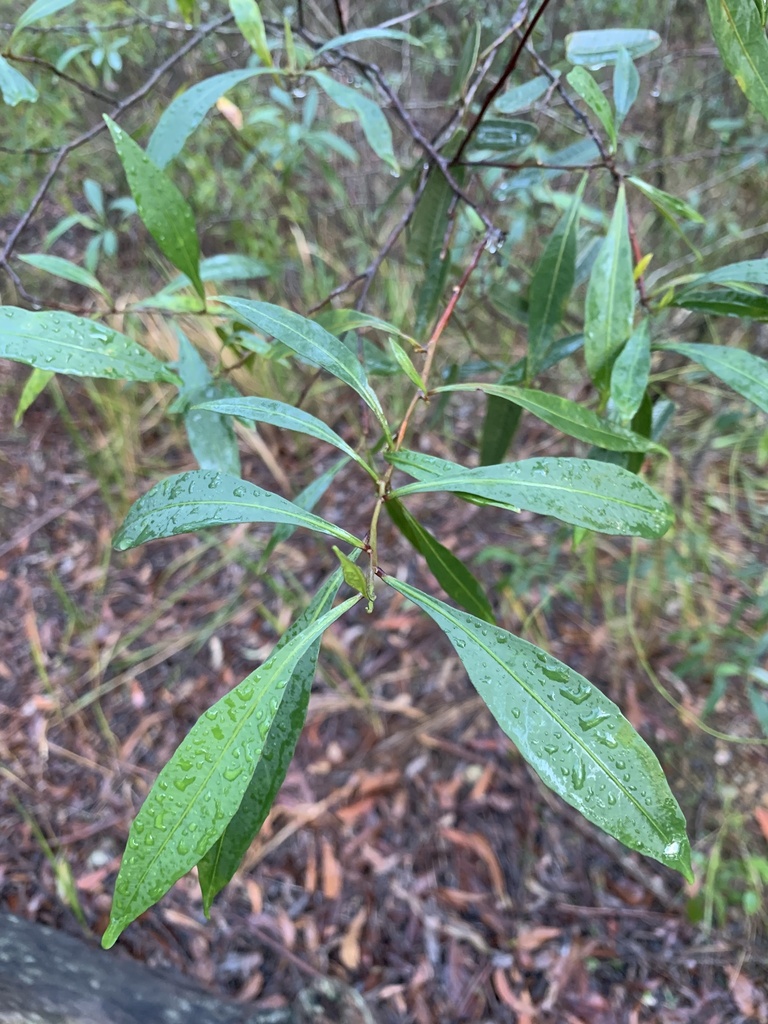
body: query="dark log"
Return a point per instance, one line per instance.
(48, 977)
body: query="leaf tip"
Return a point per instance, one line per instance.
(111, 935)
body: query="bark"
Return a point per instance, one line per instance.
(47, 977)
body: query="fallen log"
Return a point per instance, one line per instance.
(48, 977)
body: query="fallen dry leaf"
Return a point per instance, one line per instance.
(349, 951)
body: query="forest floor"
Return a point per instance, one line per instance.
(411, 852)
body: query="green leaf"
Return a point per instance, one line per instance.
(739, 32)
(428, 244)
(339, 321)
(14, 86)
(404, 362)
(60, 267)
(502, 136)
(725, 302)
(466, 64)
(610, 301)
(563, 414)
(221, 861)
(598, 47)
(372, 119)
(63, 343)
(629, 377)
(287, 417)
(501, 417)
(582, 492)
(355, 577)
(165, 212)
(199, 790)
(188, 110)
(746, 272)
(574, 737)
(552, 283)
(306, 500)
(666, 204)
(430, 219)
(626, 84)
(37, 11)
(429, 467)
(251, 24)
(211, 437)
(200, 498)
(311, 343)
(360, 35)
(747, 374)
(34, 386)
(449, 571)
(584, 84)
(521, 97)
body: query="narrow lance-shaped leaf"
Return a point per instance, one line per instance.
(355, 577)
(188, 110)
(310, 342)
(725, 302)
(339, 321)
(372, 119)
(449, 571)
(610, 298)
(163, 209)
(746, 272)
(577, 491)
(520, 97)
(14, 87)
(34, 386)
(744, 372)
(404, 362)
(502, 418)
(575, 738)
(222, 860)
(63, 343)
(584, 84)
(251, 24)
(363, 34)
(739, 32)
(570, 417)
(201, 498)
(288, 417)
(552, 283)
(503, 137)
(629, 377)
(211, 437)
(626, 84)
(597, 47)
(306, 500)
(670, 206)
(466, 63)
(66, 269)
(200, 788)
(37, 11)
